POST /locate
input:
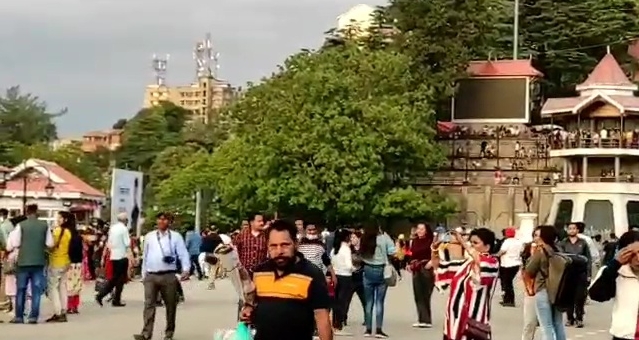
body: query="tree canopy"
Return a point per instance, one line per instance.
(567, 38)
(340, 134)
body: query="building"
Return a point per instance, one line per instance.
(50, 186)
(494, 155)
(59, 143)
(598, 151)
(108, 139)
(204, 96)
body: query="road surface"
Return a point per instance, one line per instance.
(207, 310)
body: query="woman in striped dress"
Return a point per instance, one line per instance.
(471, 276)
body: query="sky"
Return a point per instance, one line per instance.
(93, 57)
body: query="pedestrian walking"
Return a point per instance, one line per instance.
(118, 244)
(32, 237)
(163, 248)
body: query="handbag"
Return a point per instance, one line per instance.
(390, 275)
(476, 330)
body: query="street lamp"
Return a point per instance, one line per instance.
(48, 189)
(4, 171)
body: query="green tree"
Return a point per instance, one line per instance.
(441, 37)
(25, 119)
(567, 38)
(148, 133)
(340, 133)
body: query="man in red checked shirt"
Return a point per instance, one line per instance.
(251, 245)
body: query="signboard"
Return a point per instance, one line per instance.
(126, 196)
(487, 100)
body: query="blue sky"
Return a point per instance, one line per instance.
(93, 56)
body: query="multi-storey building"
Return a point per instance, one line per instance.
(598, 151)
(203, 97)
(108, 139)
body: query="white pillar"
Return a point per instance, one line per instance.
(526, 226)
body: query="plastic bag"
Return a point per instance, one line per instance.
(241, 332)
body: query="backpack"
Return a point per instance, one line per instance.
(564, 274)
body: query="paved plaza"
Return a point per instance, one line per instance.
(205, 311)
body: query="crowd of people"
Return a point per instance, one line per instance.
(305, 279)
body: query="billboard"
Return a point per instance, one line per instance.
(126, 196)
(492, 99)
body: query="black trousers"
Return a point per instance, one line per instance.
(577, 311)
(195, 265)
(119, 277)
(423, 285)
(358, 289)
(506, 277)
(343, 292)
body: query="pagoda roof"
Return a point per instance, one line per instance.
(607, 73)
(502, 68)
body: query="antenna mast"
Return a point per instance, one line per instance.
(206, 60)
(159, 66)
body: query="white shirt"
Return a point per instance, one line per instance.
(119, 241)
(226, 239)
(511, 248)
(594, 251)
(342, 262)
(16, 239)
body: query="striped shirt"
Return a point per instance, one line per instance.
(471, 292)
(315, 252)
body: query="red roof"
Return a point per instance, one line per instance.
(503, 68)
(607, 73)
(63, 181)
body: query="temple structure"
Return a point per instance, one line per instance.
(495, 155)
(597, 151)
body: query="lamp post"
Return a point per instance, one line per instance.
(4, 171)
(48, 189)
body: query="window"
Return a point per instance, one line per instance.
(564, 214)
(632, 210)
(598, 216)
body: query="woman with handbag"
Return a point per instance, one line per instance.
(471, 278)
(59, 263)
(376, 248)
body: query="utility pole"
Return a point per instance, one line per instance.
(516, 31)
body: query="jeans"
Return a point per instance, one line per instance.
(57, 289)
(550, 318)
(33, 275)
(374, 293)
(577, 310)
(530, 318)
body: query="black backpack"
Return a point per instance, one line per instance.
(566, 272)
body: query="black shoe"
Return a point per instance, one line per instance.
(579, 324)
(32, 322)
(118, 304)
(380, 334)
(140, 337)
(570, 323)
(98, 299)
(16, 321)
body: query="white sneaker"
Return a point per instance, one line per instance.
(341, 332)
(422, 325)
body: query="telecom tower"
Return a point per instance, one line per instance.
(206, 60)
(159, 66)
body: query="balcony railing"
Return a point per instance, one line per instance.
(585, 143)
(627, 178)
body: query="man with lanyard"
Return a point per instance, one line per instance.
(163, 248)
